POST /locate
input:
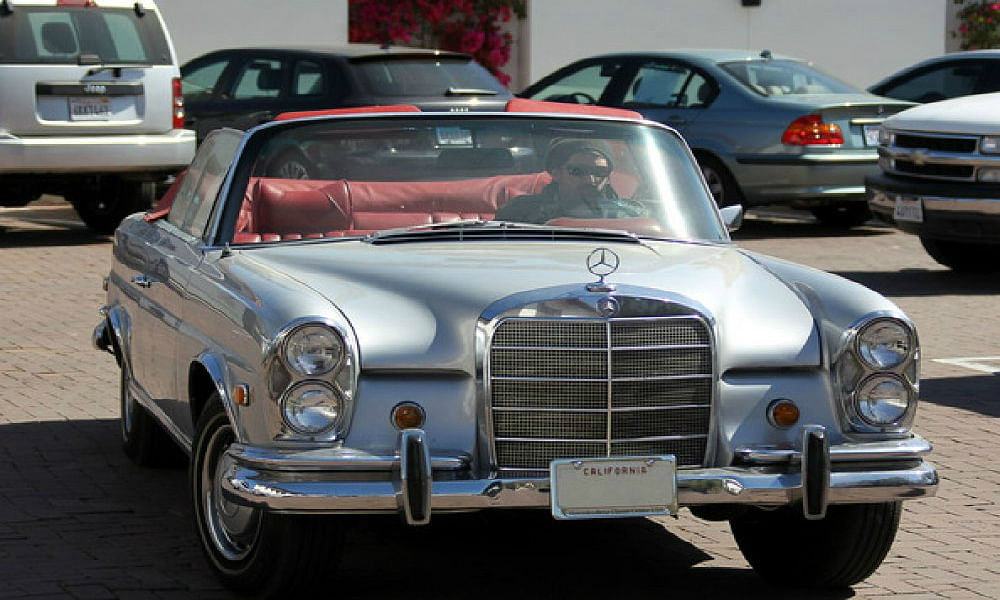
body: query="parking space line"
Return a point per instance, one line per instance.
(974, 362)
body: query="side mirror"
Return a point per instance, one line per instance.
(732, 216)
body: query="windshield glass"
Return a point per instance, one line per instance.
(783, 77)
(60, 34)
(348, 177)
(424, 76)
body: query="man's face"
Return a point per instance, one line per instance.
(584, 175)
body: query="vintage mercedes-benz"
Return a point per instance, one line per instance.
(529, 308)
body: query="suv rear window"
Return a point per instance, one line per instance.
(60, 34)
(424, 77)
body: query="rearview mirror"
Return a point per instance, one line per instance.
(732, 216)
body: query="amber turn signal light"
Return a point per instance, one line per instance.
(407, 415)
(783, 413)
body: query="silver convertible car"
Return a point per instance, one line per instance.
(523, 309)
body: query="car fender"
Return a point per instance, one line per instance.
(216, 367)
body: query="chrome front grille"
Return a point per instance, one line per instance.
(939, 156)
(584, 388)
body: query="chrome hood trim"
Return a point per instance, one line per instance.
(419, 303)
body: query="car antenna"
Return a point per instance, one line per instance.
(139, 10)
(766, 54)
(5, 8)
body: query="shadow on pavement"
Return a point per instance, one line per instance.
(77, 518)
(925, 282)
(755, 228)
(16, 237)
(977, 393)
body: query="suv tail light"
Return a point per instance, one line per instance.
(177, 106)
(810, 130)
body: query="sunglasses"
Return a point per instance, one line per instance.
(585, 170)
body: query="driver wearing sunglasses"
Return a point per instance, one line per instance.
(580, 172)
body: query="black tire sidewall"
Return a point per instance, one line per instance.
(731, 193)
(103, 207)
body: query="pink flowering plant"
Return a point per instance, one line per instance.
(471, 26)
(978, 21)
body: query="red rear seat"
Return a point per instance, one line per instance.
(284, 209)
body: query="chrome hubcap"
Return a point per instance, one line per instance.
(232, 528)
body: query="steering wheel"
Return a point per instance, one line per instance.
(588, 99)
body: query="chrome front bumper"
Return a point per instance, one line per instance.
(415, 483)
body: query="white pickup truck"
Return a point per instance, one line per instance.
(940, 179)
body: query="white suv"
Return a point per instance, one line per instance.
(90, 106)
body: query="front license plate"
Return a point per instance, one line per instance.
(908, 209)
(90, 109)
(592, 488)
(871, 134)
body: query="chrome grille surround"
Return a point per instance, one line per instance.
(560, 381)
(937, 156)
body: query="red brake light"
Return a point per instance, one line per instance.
(177, 106)
(810, 130)
(76, 3)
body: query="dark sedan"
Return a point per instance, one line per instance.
(243, 87)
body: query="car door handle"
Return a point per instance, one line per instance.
(143, 281)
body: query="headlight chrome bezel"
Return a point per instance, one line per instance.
(288, 340)
(852, 371)
(867, 358)
(870, 383)
(298, 390)
(283, 378)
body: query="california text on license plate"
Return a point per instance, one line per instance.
(591, 488)
(908, 208)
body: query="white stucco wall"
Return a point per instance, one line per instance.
(198, 26)
(860, 41)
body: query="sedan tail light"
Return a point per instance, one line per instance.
(810, 130)
(177, 106)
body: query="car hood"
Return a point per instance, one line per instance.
(416, 305)
(978, 115)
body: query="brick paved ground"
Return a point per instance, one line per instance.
(77, 520)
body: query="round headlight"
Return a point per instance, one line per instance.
(884, 344)
(882, 400)
(314, 350)
(312, 407)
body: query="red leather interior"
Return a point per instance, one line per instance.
(286, 209)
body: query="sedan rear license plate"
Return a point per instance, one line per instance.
(909, 209)
(593, 488)
(871, 135)
(90, 109)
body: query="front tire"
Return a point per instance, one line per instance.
(103, 206)
(837, 551)
(252, 551)
(960, 256)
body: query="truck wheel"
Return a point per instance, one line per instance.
(102, 207)
(844, 214)
(143, 440)
(835, 552)
(250, 550)
(961, 256)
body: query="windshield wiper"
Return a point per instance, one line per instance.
(454, 91)
(87, 58)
